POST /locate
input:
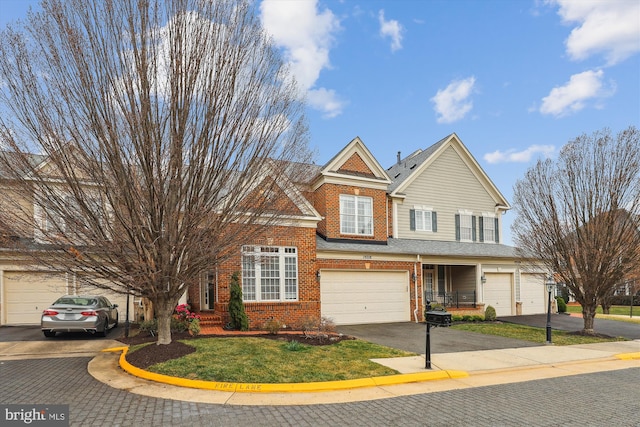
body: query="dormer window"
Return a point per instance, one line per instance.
(356, 215)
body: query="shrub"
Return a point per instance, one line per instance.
(237, 314)
(562, 306)
(272, 325)
(150, 326)
(490, 314)
(308, 323)
(294, 345)
(194, 327)
(478, 318)
(456, 318)
(327, 325)
(467, 318)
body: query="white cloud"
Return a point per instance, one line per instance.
(326, 101)
(573, 96)
(452, 103)
(306, 36)
(604, 26)
(524, 156)
(391, 29)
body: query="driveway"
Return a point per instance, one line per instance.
(412, 337)
(34, 333)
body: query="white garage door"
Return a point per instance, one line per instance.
(358, 297)
(26, 294)
(533, 293)
(498, 294)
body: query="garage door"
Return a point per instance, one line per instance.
(532, 293)
(358, 297)
(26, 294)
(498, 294)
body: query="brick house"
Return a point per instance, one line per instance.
(358, 244)
(371, 245)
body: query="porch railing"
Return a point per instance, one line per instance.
(455, 299)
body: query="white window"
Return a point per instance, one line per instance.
(488, 228)
(466, 227)
(269, 273)
(422, 219)
(356, 215)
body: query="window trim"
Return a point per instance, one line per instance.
(358, 218)
(432, 222)
(459, 218)
(285, 281)
(492, 220)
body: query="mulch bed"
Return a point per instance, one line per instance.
(152, 354)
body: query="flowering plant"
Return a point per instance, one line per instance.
(185, 315)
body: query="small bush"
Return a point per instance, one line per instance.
(272, 326)
(478, 318)
(294, 345)
(562, 306)
(194, 327)
(239, 319)
(150, 326)
(490, 314)
(327, 325)
(456, 318)
(467, 318)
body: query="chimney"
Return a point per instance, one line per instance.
(398, 157)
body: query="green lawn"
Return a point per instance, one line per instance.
(259, 360)
(528, 333)
(621, 310)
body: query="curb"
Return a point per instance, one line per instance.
(628, 356)
(285, 387)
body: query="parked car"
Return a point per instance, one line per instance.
(77, 313)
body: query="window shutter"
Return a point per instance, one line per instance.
(434, 222)
(481, 228)
(458, 227)
(412, 219)
(473, 228)
(497, 234)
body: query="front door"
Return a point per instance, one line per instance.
(209, 291)
(427, 286)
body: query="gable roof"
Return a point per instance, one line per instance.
(353, 164)
(405, 171)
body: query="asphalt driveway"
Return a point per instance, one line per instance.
(411, 337)
(34, 333)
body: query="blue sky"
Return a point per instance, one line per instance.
(514, 79)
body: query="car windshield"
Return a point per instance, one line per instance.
(75, 301)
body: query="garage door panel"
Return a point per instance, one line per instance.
(349, 297)
(28, 293)
(533, 293)
(498, 293)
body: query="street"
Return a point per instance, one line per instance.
(599, 399)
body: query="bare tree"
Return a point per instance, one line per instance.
(579, 215)
(157, 126)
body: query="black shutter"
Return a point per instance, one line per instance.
(473, 228)
(434, 222)
(458, 227)
(481, 228)
(497, 232)
(412, 219)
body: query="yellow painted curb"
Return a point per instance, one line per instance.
(628, 356)
(114, 349)
(286, 387)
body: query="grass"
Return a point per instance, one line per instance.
(618, 310)
(529, 333)
(259, 360)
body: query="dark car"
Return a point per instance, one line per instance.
(77, 313)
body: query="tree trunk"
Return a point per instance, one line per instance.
(588, 314)
(164, 310)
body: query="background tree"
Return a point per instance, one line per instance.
(156, 120)
(579, 215)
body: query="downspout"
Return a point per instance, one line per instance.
(415, 287)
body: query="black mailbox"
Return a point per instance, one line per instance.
(438, 318)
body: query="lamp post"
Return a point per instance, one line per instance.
(550, 284)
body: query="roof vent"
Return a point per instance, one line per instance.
(398, 157)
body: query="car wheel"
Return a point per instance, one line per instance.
(49, 334)
(105, 329)
(115, 325)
